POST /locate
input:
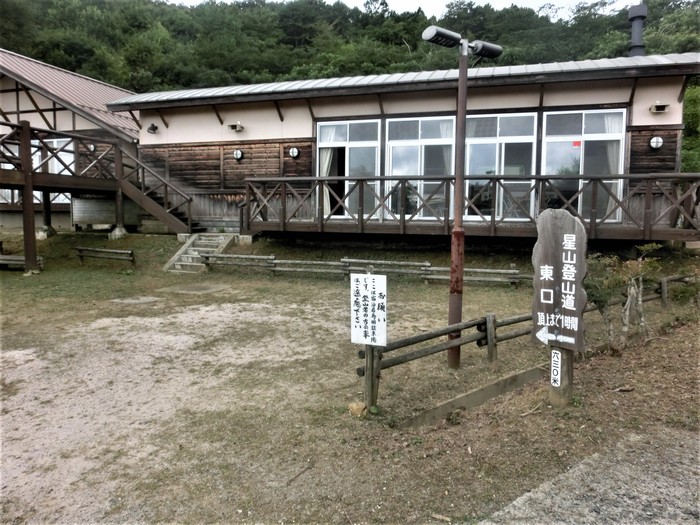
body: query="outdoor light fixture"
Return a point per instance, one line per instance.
(152, 129)
(293, 152)
(656, 142)
(237, 154)
(446, 38)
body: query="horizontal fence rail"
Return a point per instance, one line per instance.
(484, 331)
(659, 206)
(346, 266)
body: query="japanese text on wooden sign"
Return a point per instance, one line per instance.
(368, 309)
(559, 260)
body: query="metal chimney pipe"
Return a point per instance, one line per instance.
(637, 15)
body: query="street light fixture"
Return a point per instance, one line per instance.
(446, 38)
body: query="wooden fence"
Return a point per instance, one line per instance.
(485, 331)
(423, 270)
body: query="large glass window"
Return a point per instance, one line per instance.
(418, 149)
(500, 145)
(347, 151)
(578, 144)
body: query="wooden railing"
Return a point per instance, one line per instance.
(80, 158)
(486, 331)
(659, 206)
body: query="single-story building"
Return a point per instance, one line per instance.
(376, 154)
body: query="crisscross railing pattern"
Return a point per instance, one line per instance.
(76, 155)
(660, 206)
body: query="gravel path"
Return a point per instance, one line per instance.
(648, 478)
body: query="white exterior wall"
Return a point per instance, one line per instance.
(261, 121)
(62, 119)
(653, 90)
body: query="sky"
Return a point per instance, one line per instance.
(437, 8)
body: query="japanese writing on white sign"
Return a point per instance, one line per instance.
(368, 309)
(559, 259)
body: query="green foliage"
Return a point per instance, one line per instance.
(690, 154)
(147, 45)
(604, 281)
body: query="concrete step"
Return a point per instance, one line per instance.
(194, 250)
(188, 259)
(189, 267)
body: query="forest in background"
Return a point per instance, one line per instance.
(152, 45)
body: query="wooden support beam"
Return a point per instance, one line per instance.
(218, 114)
(29, 226)
(162, 118)
(36, 106)
(135, 119)
(279, 110)
(46, 209)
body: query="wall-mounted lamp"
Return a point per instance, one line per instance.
(237, 154)
(658, 107)
(152, 129)
(656, 142)
(237, 126)
(293, 152)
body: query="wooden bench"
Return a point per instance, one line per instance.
(257, 261)
(17, 261)
(104, 253)
(400, 267)
(442, 273)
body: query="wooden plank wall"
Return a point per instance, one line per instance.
(645, 159)
(212, 166)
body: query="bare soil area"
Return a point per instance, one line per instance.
(133, 396)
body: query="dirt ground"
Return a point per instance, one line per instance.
(223, 398)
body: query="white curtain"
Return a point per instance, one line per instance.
(613, 124)
(325, 161)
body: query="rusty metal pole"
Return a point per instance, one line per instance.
(457, 242)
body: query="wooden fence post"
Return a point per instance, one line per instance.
(664, 292)
(373, 368)
(492, 352)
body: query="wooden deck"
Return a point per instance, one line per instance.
(649, 207)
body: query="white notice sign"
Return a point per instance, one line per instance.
(556, 368)
(368, 309)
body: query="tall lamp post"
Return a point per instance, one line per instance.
(445, 37)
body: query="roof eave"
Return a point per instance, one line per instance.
(445, 84)
(73, 107)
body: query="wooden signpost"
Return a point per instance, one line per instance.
(559, 261)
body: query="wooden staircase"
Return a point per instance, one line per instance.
(155, 194)
(188, 259)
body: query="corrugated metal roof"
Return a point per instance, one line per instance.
(86, 96)
(318, 86)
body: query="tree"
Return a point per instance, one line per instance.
(690, 154)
